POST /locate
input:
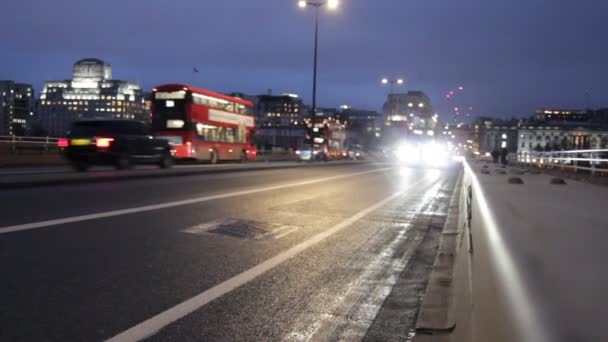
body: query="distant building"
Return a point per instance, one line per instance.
(16, 107)
(524, 137)
(91, 93)
(496, 134)
(556, 115)
(462, 138)
(360, 125)
(406, 113)
(279, 120)
(148, 104)
(411, 106)
(545, 137)
(279, 110)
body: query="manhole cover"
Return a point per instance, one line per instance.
(243, 229)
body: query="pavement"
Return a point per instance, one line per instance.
(550, 241)
(318, 253)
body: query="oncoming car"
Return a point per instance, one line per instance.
(319, 153)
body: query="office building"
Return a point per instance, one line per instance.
(279, 121)
(557, 115)
(16, 107)
(361, 125)
(91, 93)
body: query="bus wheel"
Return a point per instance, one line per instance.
(243, 157)
(213, 158)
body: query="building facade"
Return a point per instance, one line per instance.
(360, 125)
(524, 138)
(557, 115)
(279, 110)
(280, 121)
(496, 134)
(414, 107)
(406, 113)
(16, 108)
(91, 93)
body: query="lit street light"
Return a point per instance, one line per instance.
(332, 5)
(392, 82)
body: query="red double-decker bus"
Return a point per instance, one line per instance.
(203, 125)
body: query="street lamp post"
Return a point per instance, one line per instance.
(332, 4)
(392, 82)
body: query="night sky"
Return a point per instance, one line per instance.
(511, 55)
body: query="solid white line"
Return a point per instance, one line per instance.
(286, 233)
(42, 224)
(152, 325)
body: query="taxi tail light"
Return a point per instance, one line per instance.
(63, 142)
(103, 142)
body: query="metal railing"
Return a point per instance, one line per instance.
(595, 160)
(18, 143)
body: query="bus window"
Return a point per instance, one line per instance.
(242, 109)
(229, 135)
(208, 132)
(230, 107)
(241, 134)
(197, 99)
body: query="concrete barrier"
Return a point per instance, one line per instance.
(8, 157)
(52, 156)
(528, 261)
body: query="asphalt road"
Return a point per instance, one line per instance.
(304, 254)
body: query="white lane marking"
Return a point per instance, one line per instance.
(282, 228)
(201, 228)
(292, 230)
(152, 325)
(42, 224)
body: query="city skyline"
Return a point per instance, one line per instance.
(511, 57)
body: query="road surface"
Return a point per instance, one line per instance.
(310, 254)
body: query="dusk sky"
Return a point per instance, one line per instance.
(511, 56)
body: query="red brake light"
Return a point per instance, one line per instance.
(63, 142)
(103, 142)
